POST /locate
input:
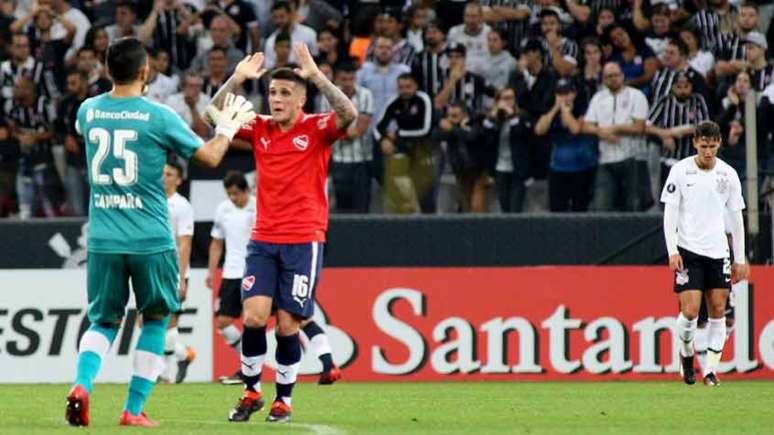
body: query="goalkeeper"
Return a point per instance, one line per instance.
(127, 139)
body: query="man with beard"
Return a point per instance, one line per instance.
(76, 178)
(729, 49)
(283, 15)
(675, 62)
(430, 64)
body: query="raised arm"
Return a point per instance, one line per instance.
(251, 67)
(341, 104)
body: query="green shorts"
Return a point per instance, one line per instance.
(154, 281)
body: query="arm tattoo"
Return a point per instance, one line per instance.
(230, 86)
(342, 105)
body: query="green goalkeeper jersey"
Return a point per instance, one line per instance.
(127, 141)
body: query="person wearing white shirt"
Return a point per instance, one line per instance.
(232, 226)
(160, 86)
(700, 193)
(617, 115)
(283, 15)
(473, 35)
(181, 219)
(191, 103)
(75, 16)
(500, 63)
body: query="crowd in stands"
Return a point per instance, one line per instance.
(492, 106)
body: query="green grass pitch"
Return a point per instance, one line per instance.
(397, 408)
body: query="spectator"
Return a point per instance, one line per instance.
(702, 61)
(500, 62)
(31, 118)
(429, 67)
(637, 60)
(729, 50)
(164, 21)
(126, 23)
(574, 155)
(330, 48)
(408, 164)
(97, 38)
(351, 156)
(676, 62)
(283, 15)
(220, 35)
(416, 19)
(539, 6)
(50, 57)
(605, 17)
(89, 65)
(462, 85)
(318, 14)
(590, 77)
(9, 156)
(18, 64)
(533, 80)
(242, 20)
(673, 120)
(468, 157)
(164, 65)
(217, 72)
(160, 86)
(510, 18)
(76, 177)
(732, 122)
(381, 75)
(755, 47)
(388, 25)
(472, 35)
(509, 131)
(191, 103)
(712, 22)
(617, 116)
(62, 8)
(660, 34)
(560, 52)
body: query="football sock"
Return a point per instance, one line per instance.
(685, 331)
(233, 337)
(288, 361)
(253, 355)
(700, 343)
(94, 344)
(716, 338)
(147, 363)
(318, 341)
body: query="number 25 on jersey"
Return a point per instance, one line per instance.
(125, 176)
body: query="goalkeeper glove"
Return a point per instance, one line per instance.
(236, 112)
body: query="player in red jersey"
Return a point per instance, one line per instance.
(284, 257)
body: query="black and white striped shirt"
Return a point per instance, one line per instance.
(402, 52)
(516, 31)
(670, 112)
(430, 69)
(9, 73)
(472, 90)
(32, 120)
(661, 85)
(355, 150)
(729, 47)
(166, 37)
(567, 48)
(711, 25)
(760, 78)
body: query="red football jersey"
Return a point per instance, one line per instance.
(292, 167)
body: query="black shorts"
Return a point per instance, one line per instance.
(229, 301)
(702, 273)
(704, 314)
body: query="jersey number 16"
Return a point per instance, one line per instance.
(125, 176)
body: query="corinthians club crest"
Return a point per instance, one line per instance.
(722, 185)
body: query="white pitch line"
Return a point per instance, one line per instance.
(316, 429)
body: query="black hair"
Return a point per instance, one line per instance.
(174, 162)
(87, 48)
(218, 48)
(407, 76)
(682, 47)
(284, 5)
(288, 74)
(235, 178)
(127, 4)
(346, 65)
(125, 57)
(707, 129)
(282, 37)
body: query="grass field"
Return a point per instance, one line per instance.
(397, 408)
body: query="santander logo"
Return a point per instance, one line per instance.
(301, 142)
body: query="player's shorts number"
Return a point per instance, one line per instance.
(726, 266)
(125, 176)
(300, 288)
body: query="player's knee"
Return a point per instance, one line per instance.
(690, 312)
(255, 319)
(288, 325)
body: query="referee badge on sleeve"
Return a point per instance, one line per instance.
(671, 188)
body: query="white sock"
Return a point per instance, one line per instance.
(169, 355)
(172, 342)
(716, 338)
(685, 332)
(320, 345)
(233, 337)
(252, 366)
(700, 343)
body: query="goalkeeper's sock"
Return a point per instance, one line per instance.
(320, 345)
(288, 358)
(94, 344)
(147, 364)
(233, 337)
(253, 355)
